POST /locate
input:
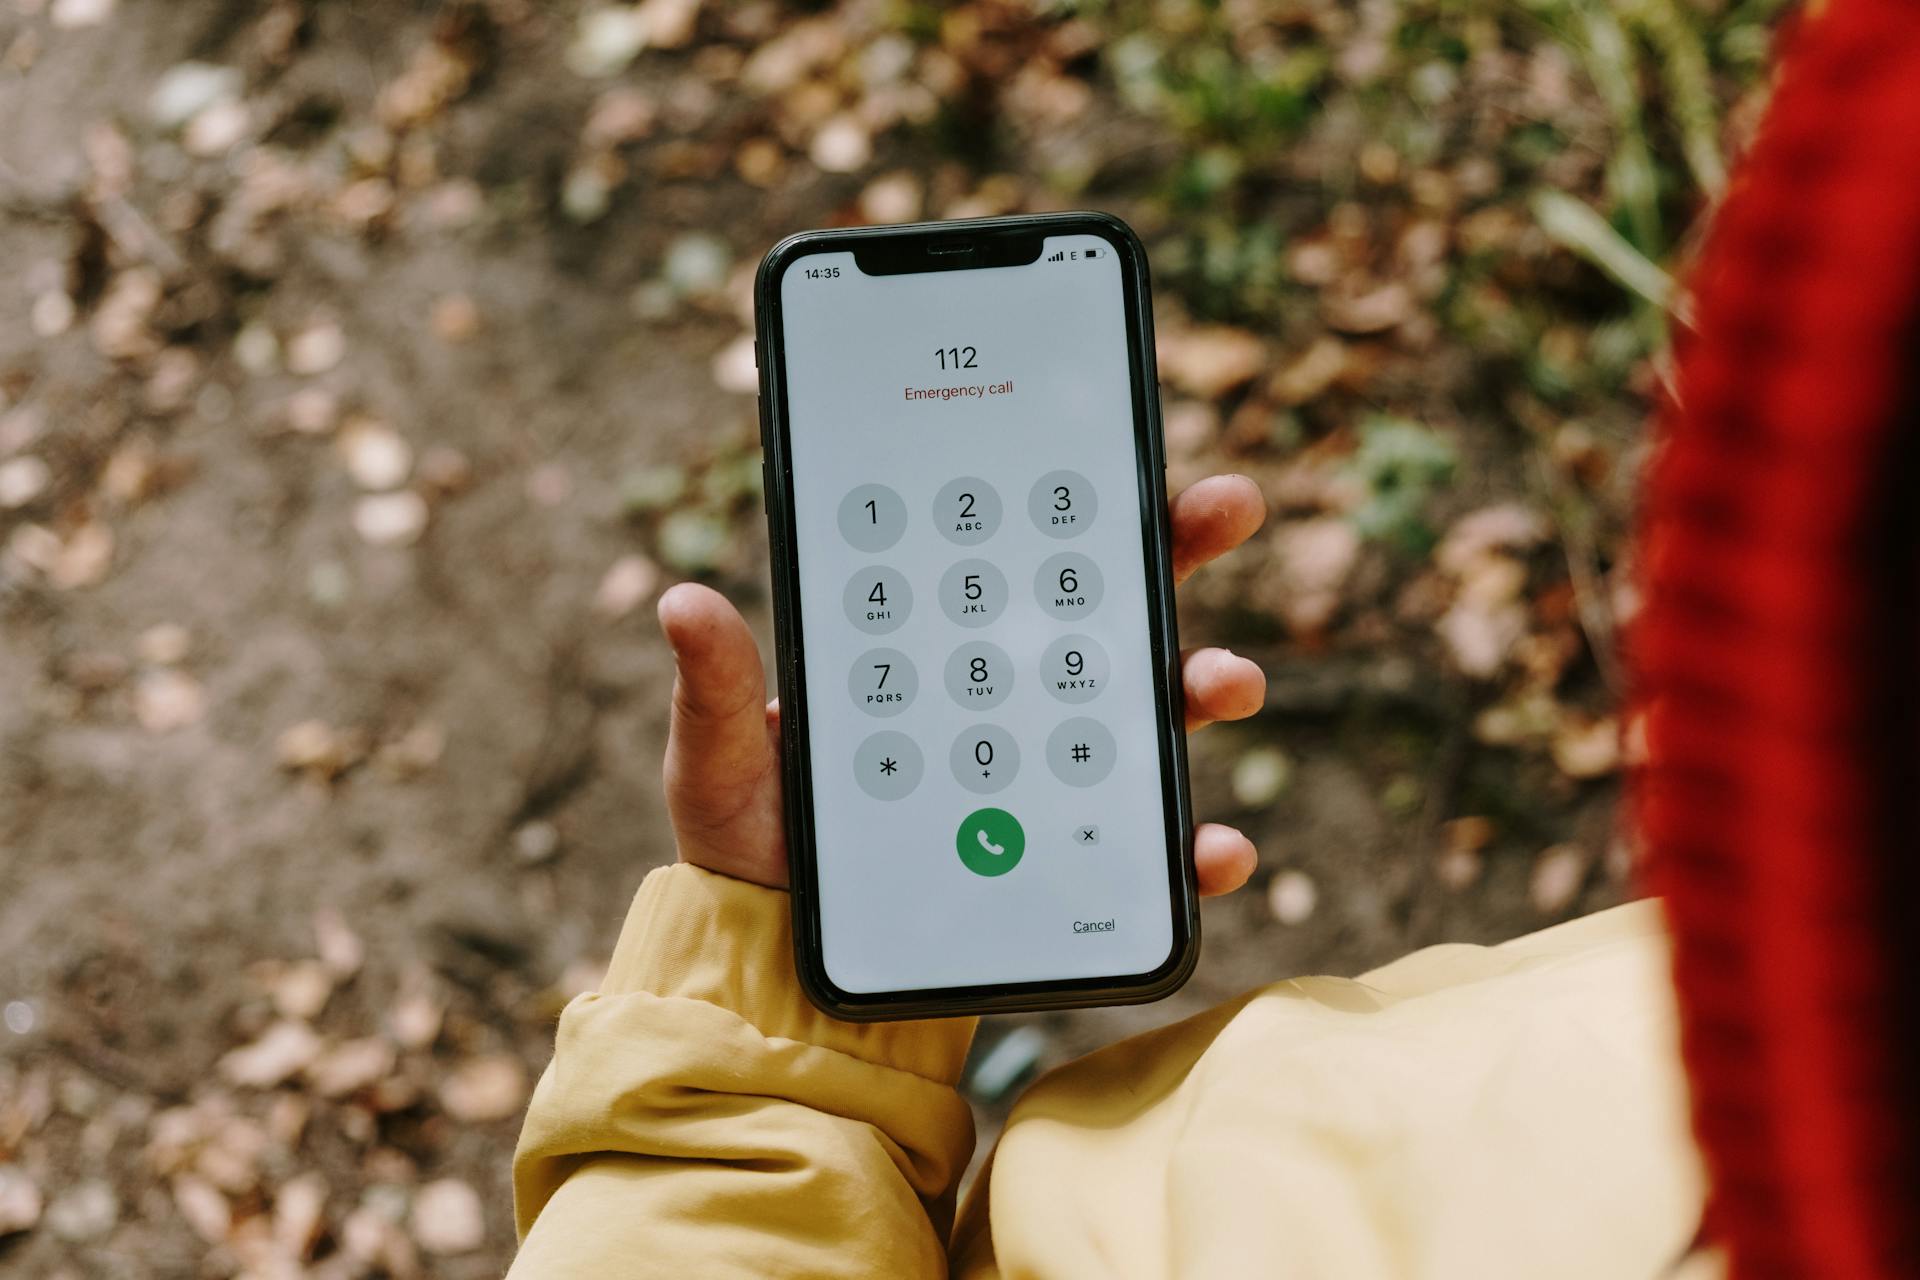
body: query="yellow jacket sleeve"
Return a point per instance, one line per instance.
(701, 1118)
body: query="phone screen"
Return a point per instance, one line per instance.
(989, 799)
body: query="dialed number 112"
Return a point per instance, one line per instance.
(956, 357)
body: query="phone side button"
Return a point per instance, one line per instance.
(1160, 418)
(763, 487)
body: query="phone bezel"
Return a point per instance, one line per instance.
(980, 243)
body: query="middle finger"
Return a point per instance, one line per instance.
(1220, 685)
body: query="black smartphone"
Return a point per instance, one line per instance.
(983, 748)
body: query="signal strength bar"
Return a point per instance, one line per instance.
(1058, 257)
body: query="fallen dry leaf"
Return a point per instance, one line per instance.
(301, 989)
(218, 129)
(1558, 874)
(53, 313)
(314, 746)
(21, 481)
(186, 89)
(892, 197)
(491, 1087)
(536, 842)
(165, 644)
(415, 1018)
(166, 700)
(362, 204)
(619, 116)
(1479, 637)
(390, 519)
(843, 144)
(734, 367)
(1260, 776)
(313, 411)
(1457, 869)
(287, 1117)
(176, 1134)
(376, 456)
(1504, 526)
(625, 586)
(607, 39)
(203, 1207)
(120, 322)
(670, 23)
(434, 77)
(83, 558)
(84, 1213)
(34, 546)
(72, 14)
(445, 470)
(415, 752)
(760, 161)
(371, 1236)
(316, 349)
(1292, 897)
(1190, 426)
(1373, 311)
(580, 977)
(132, 472)
(456, 318)
(283, 1051)
(20, 1201)
(351, 1066)
(1210, 361)
(1315, 559)
(340, 948)
(1463, 840)
(1585, 748)
(299, 1213)
(1521, 719)
(1310, 373)
(232, 1155)
(448, 1218)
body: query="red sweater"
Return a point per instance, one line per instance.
(1779, 666)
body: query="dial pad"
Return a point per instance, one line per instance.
(987, 645)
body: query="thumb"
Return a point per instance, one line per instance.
(718, 750)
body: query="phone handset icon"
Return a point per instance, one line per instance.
(990, 842)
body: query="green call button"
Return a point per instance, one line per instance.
(990, 842)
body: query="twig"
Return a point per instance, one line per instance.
(1582, 554)
(137, 237)
(110, 1065)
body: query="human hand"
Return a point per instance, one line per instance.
(723, 749)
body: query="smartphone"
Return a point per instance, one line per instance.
(981, 725)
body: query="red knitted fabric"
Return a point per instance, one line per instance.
(1777, 657)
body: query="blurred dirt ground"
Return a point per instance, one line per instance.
(365, 371)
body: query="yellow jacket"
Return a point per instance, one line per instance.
(1476, 1112)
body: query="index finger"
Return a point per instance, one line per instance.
(1212, 517)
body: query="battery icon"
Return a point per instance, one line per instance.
(1090, 254)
